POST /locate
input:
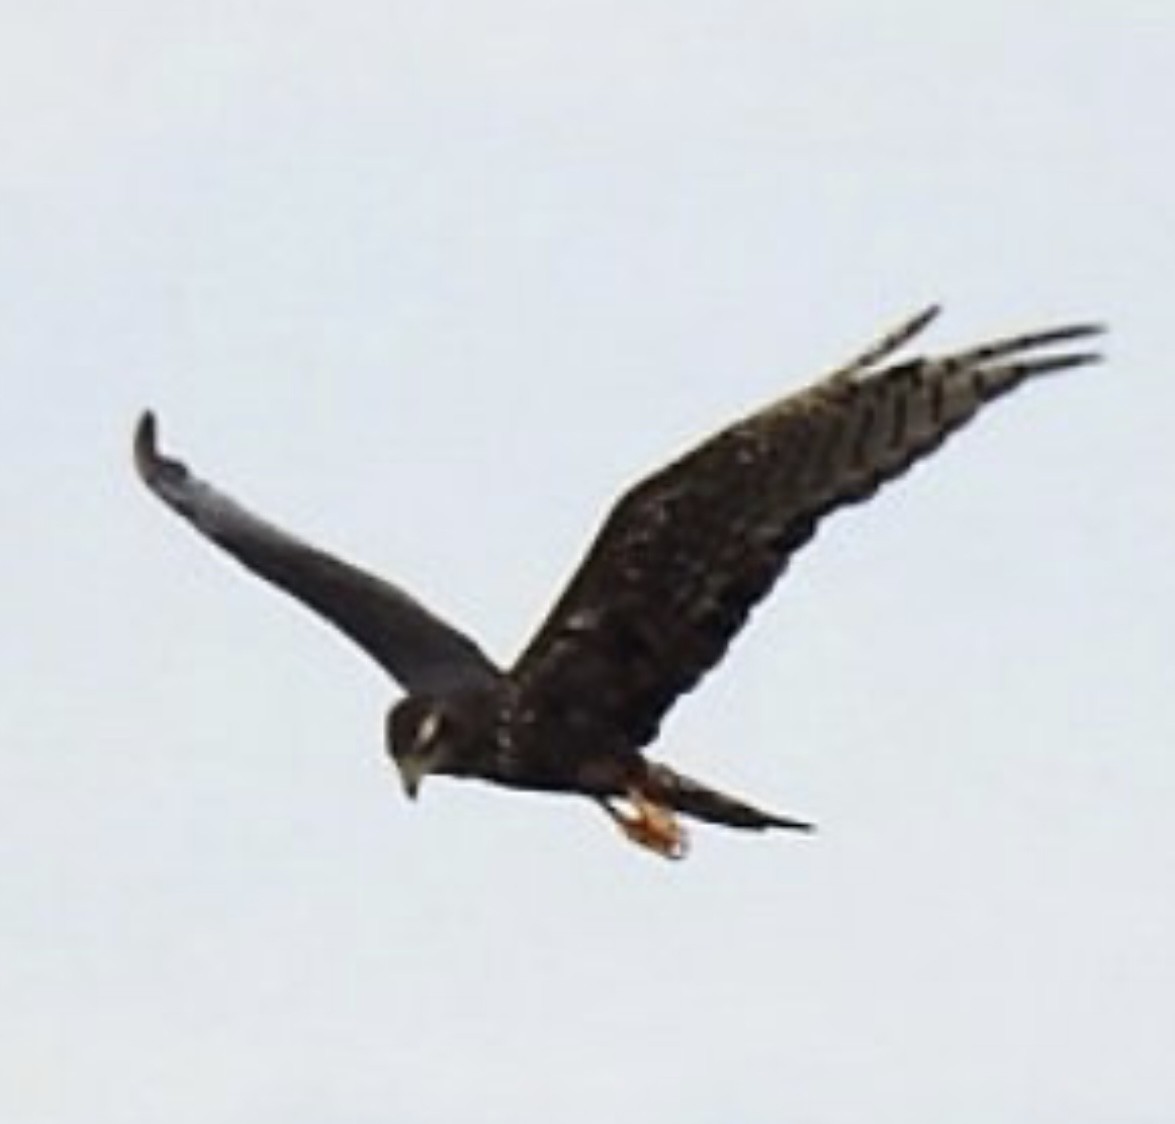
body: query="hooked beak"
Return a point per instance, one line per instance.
(412, 773)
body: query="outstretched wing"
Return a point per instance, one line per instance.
(422, 652)
(686, 554)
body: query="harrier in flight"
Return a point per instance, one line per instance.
(671, 577)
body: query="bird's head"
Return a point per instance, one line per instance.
(424, 735)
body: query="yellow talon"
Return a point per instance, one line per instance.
(650, 825)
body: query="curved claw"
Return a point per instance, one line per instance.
(649, 825)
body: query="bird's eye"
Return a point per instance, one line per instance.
(430, 726)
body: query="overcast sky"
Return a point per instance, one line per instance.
(430, 283)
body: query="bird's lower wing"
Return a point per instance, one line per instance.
(685, 555)
(420, 651)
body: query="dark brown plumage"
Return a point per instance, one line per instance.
(670, 579)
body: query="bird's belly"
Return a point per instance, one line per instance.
(567, 768)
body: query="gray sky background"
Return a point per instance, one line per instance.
(430, 283)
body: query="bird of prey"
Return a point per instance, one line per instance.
(680, 561)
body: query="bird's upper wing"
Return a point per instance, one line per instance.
(684, 555)
(422, 652)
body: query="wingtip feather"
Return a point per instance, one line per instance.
(926, 317)
(146, 451)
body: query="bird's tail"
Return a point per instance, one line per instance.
(683, 794)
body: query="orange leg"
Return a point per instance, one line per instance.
(648, 824)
